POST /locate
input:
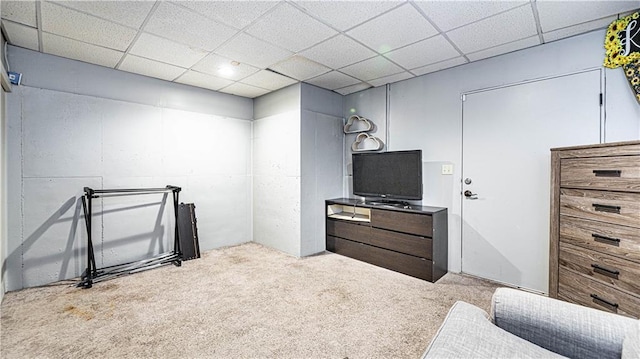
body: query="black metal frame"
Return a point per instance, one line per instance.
(93, 274)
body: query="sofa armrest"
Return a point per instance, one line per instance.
(467, 333)
(568, 329)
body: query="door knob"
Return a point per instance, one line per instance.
(470, 195)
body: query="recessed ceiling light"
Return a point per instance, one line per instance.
(226, 71)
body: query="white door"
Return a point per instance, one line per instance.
(507, 134)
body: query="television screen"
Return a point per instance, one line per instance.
(393, 175)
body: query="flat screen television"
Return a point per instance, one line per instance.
(394, 175)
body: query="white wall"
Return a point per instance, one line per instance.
(322, 142)
(297, 161)
(276, 170)
(426, 112)
(3, 173)
(61, 140)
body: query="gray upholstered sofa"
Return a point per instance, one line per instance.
(525, 325)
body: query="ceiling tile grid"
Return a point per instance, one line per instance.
(249, 48)
(78, 50)
(146, 67)
(187, 27)
(290, 28)
(399, 27)
(69, 23)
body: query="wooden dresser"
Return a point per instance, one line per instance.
(595, 226)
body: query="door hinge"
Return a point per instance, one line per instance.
(463, 97)
(601, 99)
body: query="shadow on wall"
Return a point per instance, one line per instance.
(480, 258)
(57, 248)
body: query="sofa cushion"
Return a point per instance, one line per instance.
(468, 333)
(631, 344)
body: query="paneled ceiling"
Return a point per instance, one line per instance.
(250, 48)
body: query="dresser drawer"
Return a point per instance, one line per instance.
(607, 269)
(405, 243)
(611, 207)
(616, 240)
(621, 173)
(413, 223)
(348, 230)
(576, 288)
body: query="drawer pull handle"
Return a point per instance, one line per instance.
(606, 208)
(607, 173)
(612, 273)
(607, 240)
(605, 303)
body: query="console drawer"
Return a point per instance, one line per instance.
(609, 270)
(616, 240)
(621, 173)
(352, 231)
(611, 207)
(413, 223)
(403, 263)
(414, 245)
(576, 288)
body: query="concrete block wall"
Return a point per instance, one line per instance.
(61, 140)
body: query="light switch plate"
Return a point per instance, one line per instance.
(447, 169)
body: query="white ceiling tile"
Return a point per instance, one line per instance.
(290, 28)
(238, 14)
(186, 27)
(558, 14)
(90, 29)
(372, 69)
(21, 35)
(244, 90)
(150, 68)
(399, 27)
(223, 67)
(344, 15)
(23, 12)
(391, 79)
(333, 80)
(429, 51)
(353, 88)
(503, 49)
(447, 15)
(338, 52)
(129, 13)
(247, 49)
(578, 29)
(439, 66)
(163, 50)
(509, 26)
(300, 68)
(199, 79)
(268, 80)
(77, 50)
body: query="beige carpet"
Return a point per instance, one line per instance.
(247, 301)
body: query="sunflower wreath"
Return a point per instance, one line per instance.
(621, 41)
(632, 72)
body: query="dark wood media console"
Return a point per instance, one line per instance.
(406, 239)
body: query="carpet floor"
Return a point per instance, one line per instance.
(247, 301)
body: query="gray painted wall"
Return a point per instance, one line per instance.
(276, 170)
(67, 135)
(297, 163)
(426, 112)
(322, 142)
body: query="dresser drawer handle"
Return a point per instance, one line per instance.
(605, 271)
(606, 208)
(607, 240)
(605, 303)
(607, 173)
